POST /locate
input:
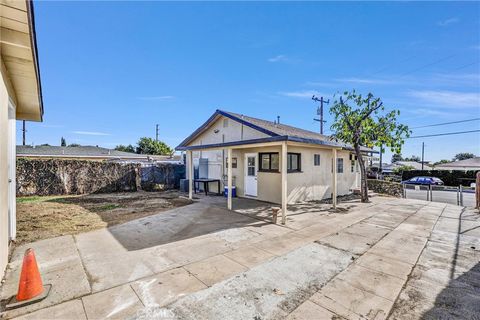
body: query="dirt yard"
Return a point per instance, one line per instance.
(51, 216)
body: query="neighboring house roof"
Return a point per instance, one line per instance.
(276, 131)
(416, 165)
(79, 152)
(467, 163)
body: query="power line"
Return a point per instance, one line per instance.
(444, 134)
(466, 65)
(392, 65)
(445, 123)
(428, 65)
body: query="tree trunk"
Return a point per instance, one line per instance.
(363, 175)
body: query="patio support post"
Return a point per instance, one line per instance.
(190, 174)
(334, 180)
(284, 182)
(229, 174)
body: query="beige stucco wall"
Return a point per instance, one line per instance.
(218, 133)
(315, 182)
(234, 131)
(5, 93)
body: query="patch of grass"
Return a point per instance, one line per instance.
(29, 199)
(106, 207)
(35, 199)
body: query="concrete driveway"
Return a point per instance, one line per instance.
(389, 257)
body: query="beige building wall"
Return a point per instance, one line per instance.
(5, 95)
(223, 130)
(315, 182)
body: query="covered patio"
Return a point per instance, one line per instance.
(281, 145)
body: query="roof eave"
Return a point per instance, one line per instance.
(33, 39)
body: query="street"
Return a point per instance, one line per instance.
(442, 196)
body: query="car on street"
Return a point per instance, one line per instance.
(425, 181)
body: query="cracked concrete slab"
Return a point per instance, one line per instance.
(270, 290)
(385, 265)
(350, 302)
(59, 264)
(249, 256)
(149, 257)
(377, 283)
(72, 310)
(309, 310)
(115, 303)
(166, 287)
(214, 269)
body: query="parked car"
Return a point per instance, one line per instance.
(424, 181)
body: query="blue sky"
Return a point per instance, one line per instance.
(112, 70)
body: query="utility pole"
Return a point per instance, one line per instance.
(381, 156)
(156, 133)
(23, 132)
(320, 111)
(423, 153)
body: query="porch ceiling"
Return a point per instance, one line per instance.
(19, 57)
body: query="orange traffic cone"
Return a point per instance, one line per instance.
(30, 286)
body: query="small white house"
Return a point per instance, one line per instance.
(271, 161)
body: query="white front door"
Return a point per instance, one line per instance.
(251, 174)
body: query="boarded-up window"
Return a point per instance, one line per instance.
(234, 163)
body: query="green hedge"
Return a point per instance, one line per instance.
(450, 178)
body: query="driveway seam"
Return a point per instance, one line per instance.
(416, 262)
(358, 256)
(140, 299)
(87, 274)
(84, 310)
(193, 275)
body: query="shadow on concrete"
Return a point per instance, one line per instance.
(207, 216)
(461, 298)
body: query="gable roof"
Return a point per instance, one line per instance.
(277, 132)
(472, 162)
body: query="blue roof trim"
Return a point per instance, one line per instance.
(273, 136)
(264, 140)
(200, 129)
(249, 124)
(228, 115)
(232, 143)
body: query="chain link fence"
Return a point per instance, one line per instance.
(461, 195)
